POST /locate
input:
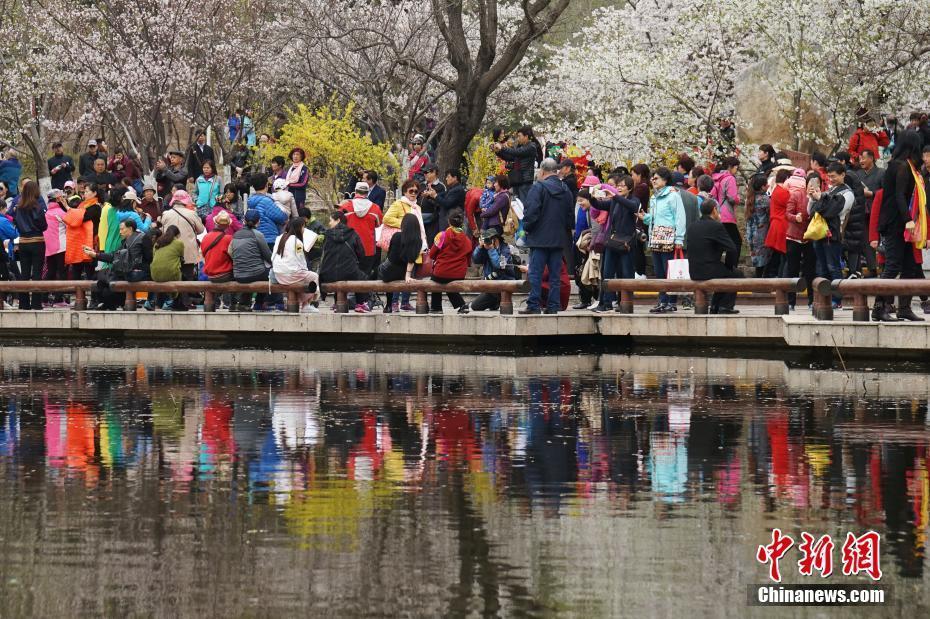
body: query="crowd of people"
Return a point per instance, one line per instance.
(845, 216)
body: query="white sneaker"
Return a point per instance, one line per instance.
(594, 305)
(639, 276)
(310, 309)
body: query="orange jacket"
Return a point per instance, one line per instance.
(79, 233)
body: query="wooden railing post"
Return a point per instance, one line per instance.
(700, 301)
(293, 303)
(625, 304)
(422, 305)
(129, 305)
(823, 303)
(506, 302)
(209, 301)
(342, 302)
(781, 302)
(80, 299)
(860, 307)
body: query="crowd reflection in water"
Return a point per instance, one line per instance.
(327, 448)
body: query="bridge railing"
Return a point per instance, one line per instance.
(421, 287)
(703, 290)
(861, 289)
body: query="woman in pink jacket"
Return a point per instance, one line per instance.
(726, 194)
(55, 236)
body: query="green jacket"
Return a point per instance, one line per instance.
(166, 262)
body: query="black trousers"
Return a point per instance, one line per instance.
(108, 299)
(55, 270)
(31, 259)
(246, 297)
(82, 270)
(486, 301)
(800, 261)
(732, 258)
(436, 297)
(188, 274)
(899, 261)
(722, 300)
(853, 258)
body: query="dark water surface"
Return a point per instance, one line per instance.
(159, 482)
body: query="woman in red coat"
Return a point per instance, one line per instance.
(451, 254)
(777, 237)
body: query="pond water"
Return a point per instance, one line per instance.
(166, 482)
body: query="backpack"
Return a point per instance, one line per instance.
(514, 216)
(122, 260)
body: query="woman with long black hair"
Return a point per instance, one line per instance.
(31, 224)
(904, 195)
(402, 255)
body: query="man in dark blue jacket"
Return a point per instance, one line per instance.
(376, 194)
(60, 166)
(547, 214)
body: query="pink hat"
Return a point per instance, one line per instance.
(590, 181)
(798, 172)
(183, 197)
(608, 188)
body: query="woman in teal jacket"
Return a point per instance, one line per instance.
(666, 221)
(207, 190)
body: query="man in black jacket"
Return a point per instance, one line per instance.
(198, 153)
(60, 167)
(833, 205)
(132, 266)
(170, 173)
(86, 160)
(429, 206)
(521, 162)
(100, 176)
(707, 241)
(453, 198)
(567, 174)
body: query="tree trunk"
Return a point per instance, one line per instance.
(461, 127)
(35, 138)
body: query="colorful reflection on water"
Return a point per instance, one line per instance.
(155, 488)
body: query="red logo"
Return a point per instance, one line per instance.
(773, 552)
(860, 554)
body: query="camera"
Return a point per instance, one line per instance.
(643, 237)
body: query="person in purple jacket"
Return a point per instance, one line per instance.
(495, 215)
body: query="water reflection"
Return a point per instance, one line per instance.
(463, 492)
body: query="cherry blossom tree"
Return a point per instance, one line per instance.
(357, 52)
(653, 76)
(36, 87)
(643, 77)
(158, 69)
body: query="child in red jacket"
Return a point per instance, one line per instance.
(451, 254)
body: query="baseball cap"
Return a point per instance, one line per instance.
(361, 187)
(91, 142)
